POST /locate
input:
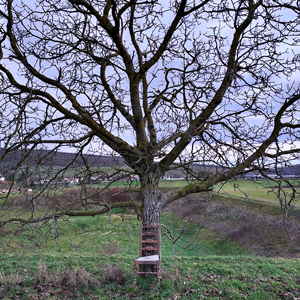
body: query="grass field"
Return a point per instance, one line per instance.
(118, 232)
(92, 258)
(86, 276)
(262, 190)
(95, 261)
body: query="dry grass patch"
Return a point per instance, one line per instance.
(11, 279)
(76, 277)
(114, 274)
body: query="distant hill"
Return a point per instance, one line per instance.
(62, 159)
(290, 170)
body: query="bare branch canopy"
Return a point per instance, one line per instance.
(159, 85)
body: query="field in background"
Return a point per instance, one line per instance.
(261, 190)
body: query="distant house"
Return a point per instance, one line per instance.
(166, 176)
(70, 181)
(3, 191)
(25, 190)
(135, 177)
(4, 186)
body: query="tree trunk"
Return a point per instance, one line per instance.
(152, 199)
(152, 207)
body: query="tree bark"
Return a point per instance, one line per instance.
(152, 199)
(152, 206)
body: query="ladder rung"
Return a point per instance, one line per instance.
(149, 241)
(150, 226)
(149, 248)
(149, 233)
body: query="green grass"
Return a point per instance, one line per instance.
(197, 240)
(262, 190)
(96, 258)
(167, 184)
(116, 234)
(243, 188)
(196, 277)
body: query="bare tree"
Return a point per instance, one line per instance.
(164, 86)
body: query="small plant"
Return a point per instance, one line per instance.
(77, 277)
(114, 274)
(42, 273)
(111, 248)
